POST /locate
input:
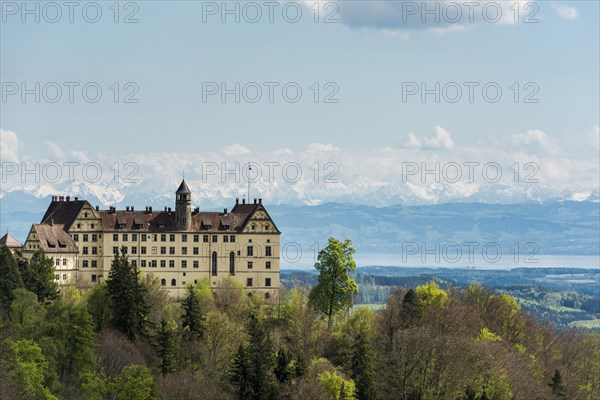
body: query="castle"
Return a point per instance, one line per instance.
(180, 247)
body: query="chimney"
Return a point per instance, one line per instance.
(61, 198)
(131, 208)
(97, 208)
(150, 208)
(237, 201)
(169, 209)
(76, 198)
(224, 211)
(255, 200)
(244, 200)
(127, 208)
(165, 208)
(259, 201)
(68, 198)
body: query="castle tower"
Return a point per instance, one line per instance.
(183, 207)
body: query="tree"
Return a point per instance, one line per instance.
(557, 386)
(432, 296)
(335, 288)
(26, 368)
(241, 374)
(133, 383)
(283, 370)
(38, 277)
(412, 307)
(193, 315)
(10, 277)
(363, 369)
(98, 305)
(337, 387)
(165, 346)
(126, 297)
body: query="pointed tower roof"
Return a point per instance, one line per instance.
(183, 188)
(10, 241)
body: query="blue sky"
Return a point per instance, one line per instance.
(368, 56)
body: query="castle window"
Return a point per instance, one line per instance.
(250, 251)
(225, 238)
(85, 215)
(154, 250)
(85, 250)
(172, 237)
(134, 237)
(205, 238)
(268, 265)
(143, 249)
(248, 282)
(163, 237)
(143, 263)
(153, 264)
(183, 263)
(196, 238)
(115, 250)
(134, 263)
(93, 278)
(125, 237)
(195, 251)
(267, 296)
(78, 226)
(171, 250)
(92, 226)
(232, 263)
(57, 276)
(64, 276)
(268, 251)
(171, 263)
(249, 264)
(115, 237)
(163, 250)
(196, 264)
(184, 237)
(214, 263)
(94, 237)
(163, 263)
(76, 237)
(155, 237)
(144, 237)
(173, 282)
(232, 238)
(267, 227)
(267, 282)
(133, 250)
(64, 261)
(215, 238)
(94, 250)
(163, 282)
(85, 237)
(85, 264)
(94, 264)
(161, 226)
(184, 250)
(57, 262)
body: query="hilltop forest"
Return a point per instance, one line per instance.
(125, 339)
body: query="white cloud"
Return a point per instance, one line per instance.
(322, 147)
(235, 150)
(594, 136)
(535, 140)
(566, 12)
(9, 146)
(282, 151)
(54, 149)
(441, 140)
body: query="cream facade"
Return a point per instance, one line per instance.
(178, 246)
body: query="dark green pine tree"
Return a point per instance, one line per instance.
(193, 315)
(241, 376)
(283, 370)
(363, 370)
(412, 307)
(128, 306)
(260, 354)
(300, 367)
(165, 347)
(38, 277)
(558, 388)
(10, 277)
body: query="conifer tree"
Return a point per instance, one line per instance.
(193, 316)
(165, 339)
(283, 371)
(557, 385)
(10, 277)
(363, 370)
(127, 298)
(241, 374)
(38, 277)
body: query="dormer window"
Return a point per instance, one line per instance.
(253, 227)
(161, 226)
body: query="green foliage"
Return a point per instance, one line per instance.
(194, 315)
(283, 367)
(38, 277)
(26, 314)
(10, 277)
(432, 296)
(335, 288)
(127, 298)
(337, 387)
(98, 305)
(133, 383)
(165, 346)
(485, 335)
(26, 368)
(363, 367)
(557, 385)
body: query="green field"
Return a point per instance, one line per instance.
(588, 323)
